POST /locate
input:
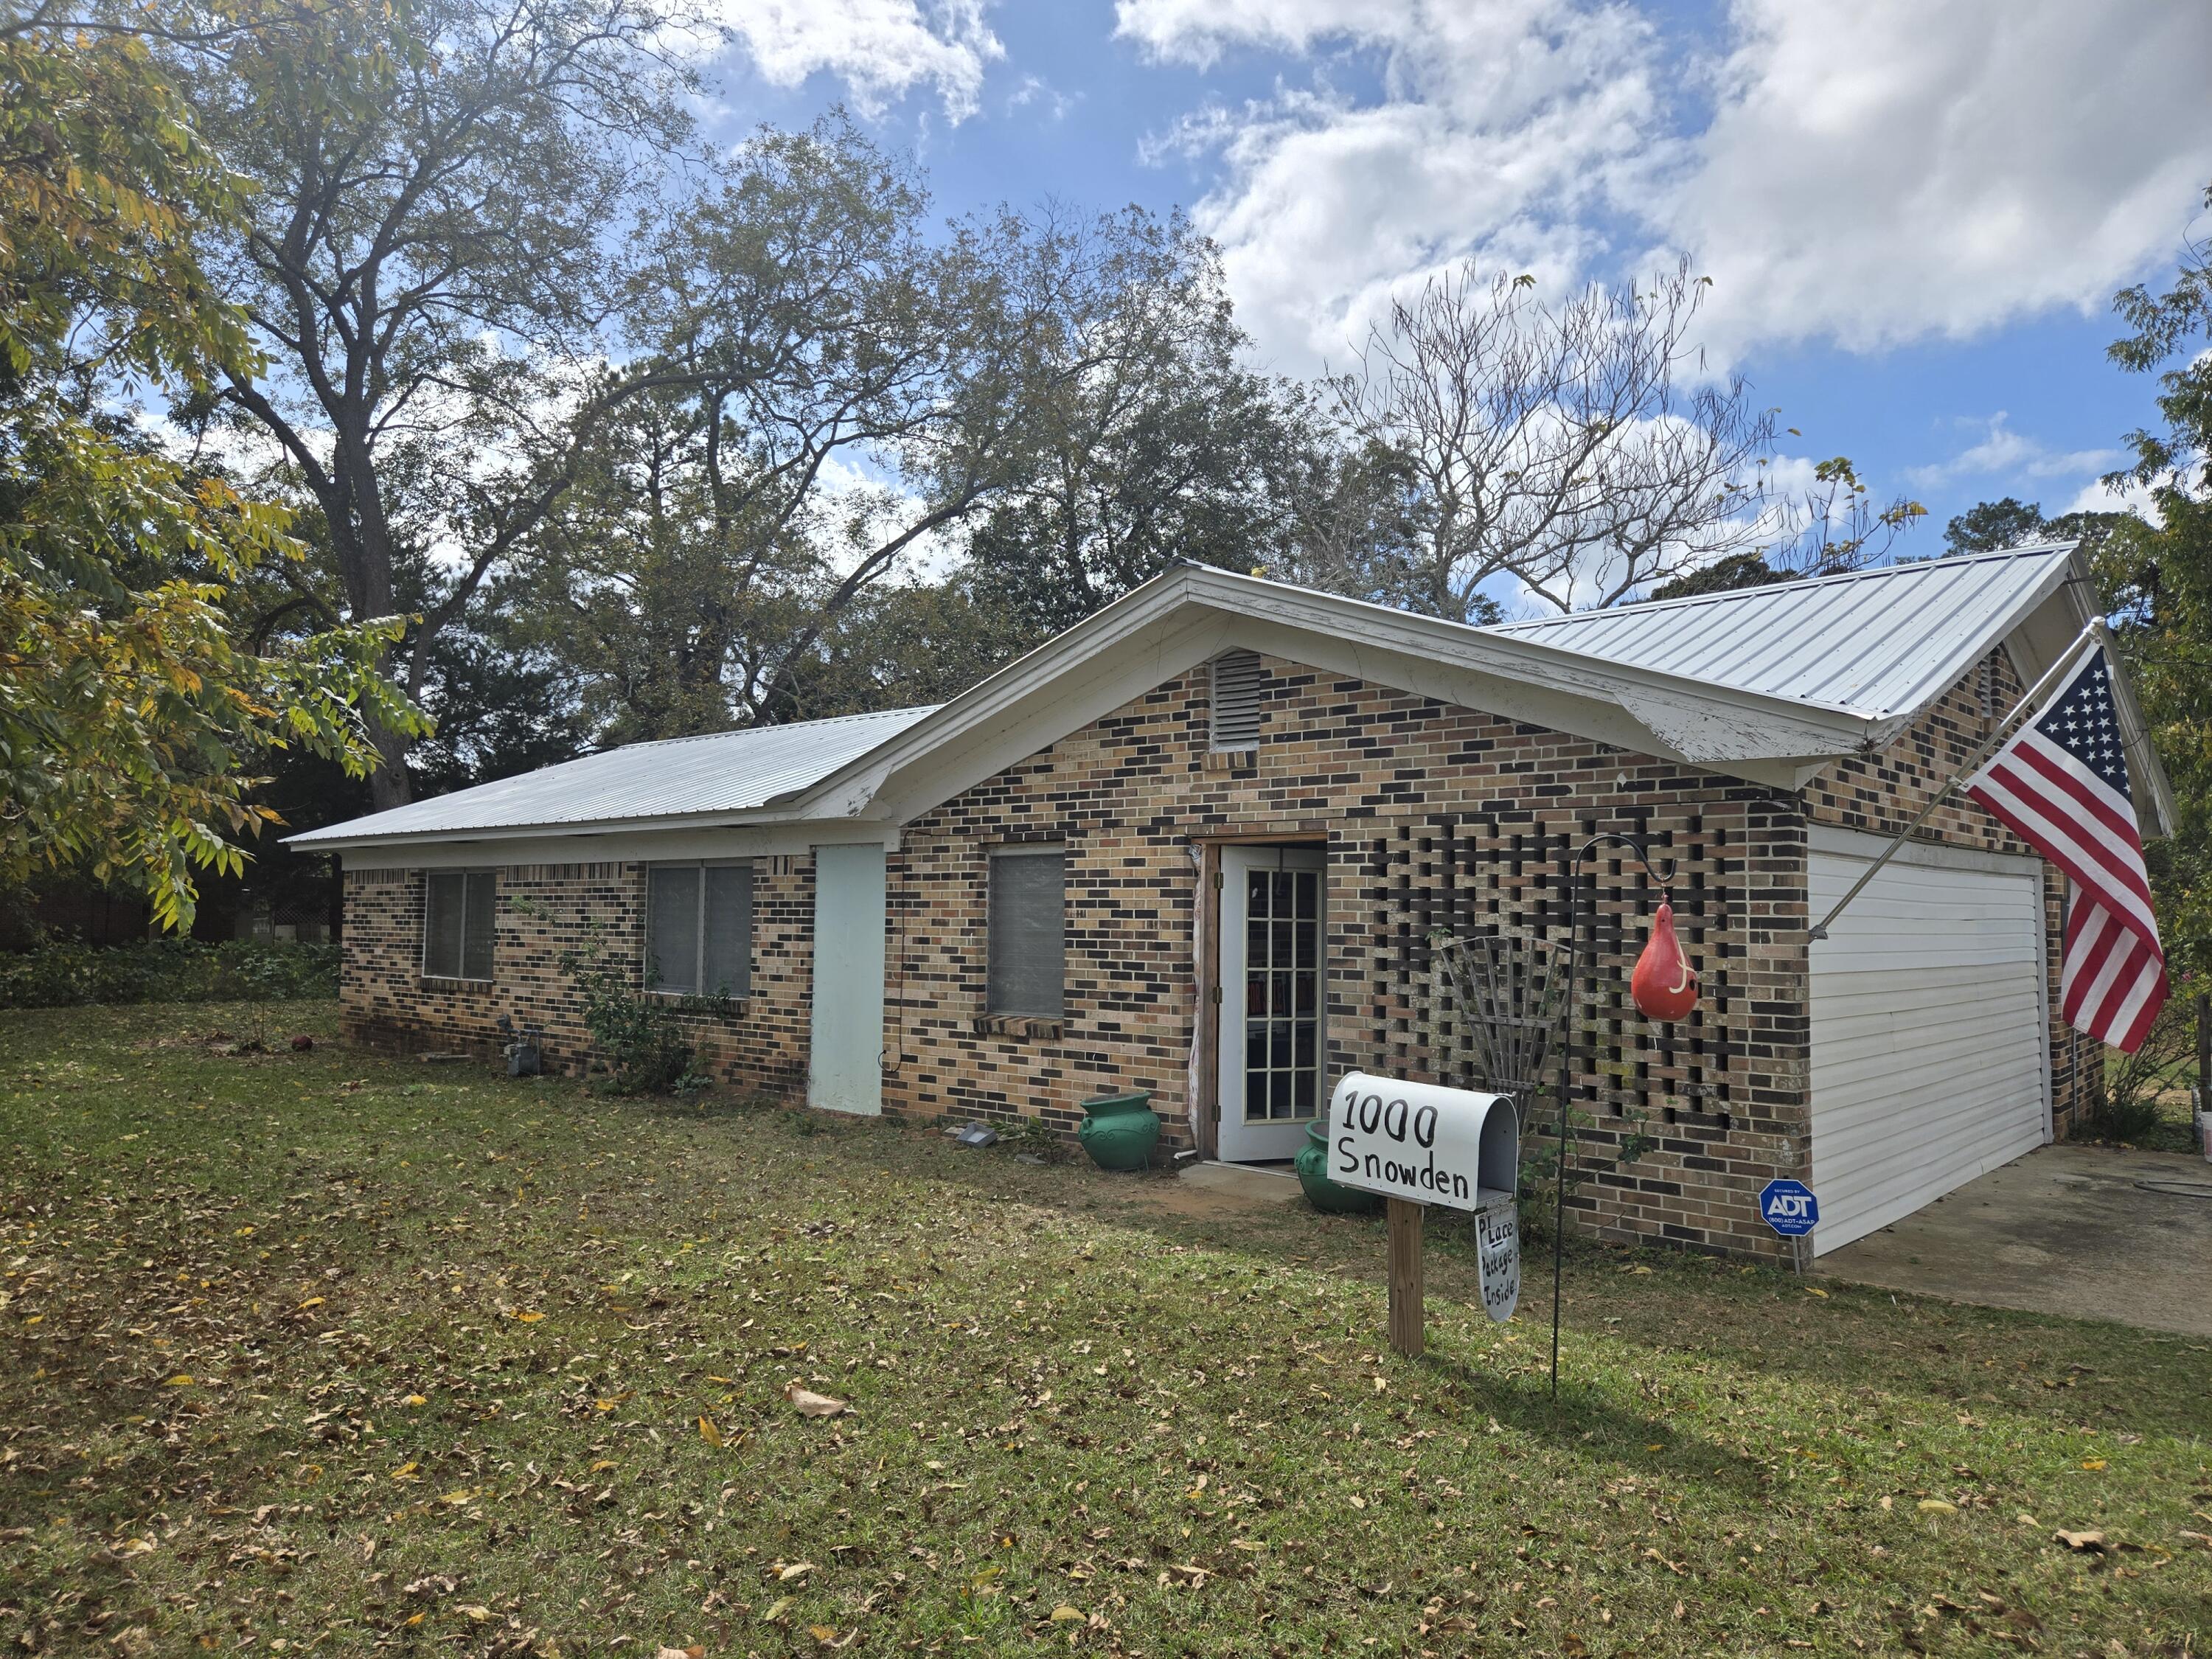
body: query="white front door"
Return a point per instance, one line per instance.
(845, 1070)
(1273, 993)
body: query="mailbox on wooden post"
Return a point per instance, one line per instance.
(1418, 1144)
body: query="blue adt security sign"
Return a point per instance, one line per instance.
(1790, 1207)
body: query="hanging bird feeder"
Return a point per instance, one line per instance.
(1664, 985)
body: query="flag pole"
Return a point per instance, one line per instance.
(2029, 699)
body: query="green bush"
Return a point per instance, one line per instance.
(2128, 1093)
(64, 972)
(637, 1035)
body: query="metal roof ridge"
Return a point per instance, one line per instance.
(1805, 583)
(916, 709)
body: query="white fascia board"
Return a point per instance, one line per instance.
(620, 844)
(1185, 618)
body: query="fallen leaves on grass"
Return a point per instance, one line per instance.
(810, 1404)
(2088, 1543)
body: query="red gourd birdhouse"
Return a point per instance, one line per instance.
(1664, 985)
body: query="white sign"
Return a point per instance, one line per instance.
(1497, 1249)
(1417, 1141)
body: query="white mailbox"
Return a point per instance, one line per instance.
(1418, 1142)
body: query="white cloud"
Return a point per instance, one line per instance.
(1867, 173)
(1888, 170)
(2002, 453)
(880, 49)
(1505, 132)
(1197, 32)
(2097, 497)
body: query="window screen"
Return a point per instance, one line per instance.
(1237, 678)
(459, 924)
(699, 929)
(671, 929)
(727, 961)
(1029, 933)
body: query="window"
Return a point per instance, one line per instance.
(1237, 677)
(699, 929)
(1029, 931)
(457, 925)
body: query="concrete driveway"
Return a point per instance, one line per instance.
(2090, 1232)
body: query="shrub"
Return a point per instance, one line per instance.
(66, 972)
(2124, 1091)
(1538, 1192)
(637, 1035)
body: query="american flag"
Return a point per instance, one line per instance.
(2061, 784)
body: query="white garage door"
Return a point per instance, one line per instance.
(1929, 1028)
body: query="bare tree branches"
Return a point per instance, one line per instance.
(1575, 450)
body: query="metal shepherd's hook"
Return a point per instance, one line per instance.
(1570, 869)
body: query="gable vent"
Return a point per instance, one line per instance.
(1237, 677)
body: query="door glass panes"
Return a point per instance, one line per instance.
(1282, 994)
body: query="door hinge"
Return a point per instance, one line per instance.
(1217, 881)
(1216, 995)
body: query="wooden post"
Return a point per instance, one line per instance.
(1407, 1299)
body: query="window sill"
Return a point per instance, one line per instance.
(453, 982)
(1051, 1027)
(1232, 760)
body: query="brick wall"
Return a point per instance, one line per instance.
(544, 909)
(1434, 818)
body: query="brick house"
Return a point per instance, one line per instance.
(1039, 891)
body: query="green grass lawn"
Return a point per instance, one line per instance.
(317, 1352)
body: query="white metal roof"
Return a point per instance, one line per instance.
(678, 777)
(1880, 642)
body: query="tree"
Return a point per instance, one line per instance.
(822, 389)
(902, 644)
(829, 387)
(1146, 442)
(1991, 526)
(425, 260)
(1564, 449)
(1830, 529)
(133, 720)
(2156, 580)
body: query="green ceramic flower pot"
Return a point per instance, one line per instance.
(1120, 1131)
(1324, 1194)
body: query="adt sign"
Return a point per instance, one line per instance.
(1790, 1207)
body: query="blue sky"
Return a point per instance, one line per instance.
(1914, 215)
